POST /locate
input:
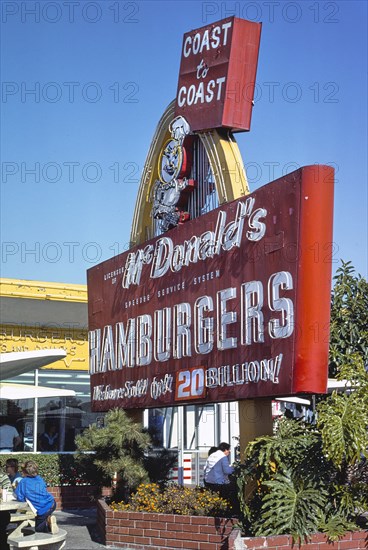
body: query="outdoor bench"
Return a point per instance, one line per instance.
(36, 541)
(24, 518)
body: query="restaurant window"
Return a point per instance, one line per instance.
(58, 420)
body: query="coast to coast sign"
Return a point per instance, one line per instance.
(231, 305)
(217, 75)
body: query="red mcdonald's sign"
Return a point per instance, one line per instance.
(231, 305)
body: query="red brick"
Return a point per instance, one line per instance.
(200, 520)
(217, 539)
(318, 537)
(142, 540)
(309, 546)
(360, 535)
(210, 529)
(156, 542)
(176, 543)
(131, 515)
(167, 534)
(148, 516)
(279, 540)
(182, 519)
(162, 542)
(194, 536)
(347, 536)
(158, 524)
(151, 533)
(191, 545)
(120, 522)
(173, 527)
(142, 524)
(344, 544)
(114, 522)
(114, 537)
(166, 518)
(126, 538)
(256, 542)
(193, 528)
(207, 546)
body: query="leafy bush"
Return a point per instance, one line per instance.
(293, 487)
(309, 478)
(349, 325)
(175, 499)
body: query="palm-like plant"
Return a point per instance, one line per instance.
(293, 506)
(306, 478)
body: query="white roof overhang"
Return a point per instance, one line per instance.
(14, 363)
(26, 391)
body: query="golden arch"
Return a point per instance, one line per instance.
(225, 162)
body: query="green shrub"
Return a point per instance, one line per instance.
(119, 448)
(56, 469)
(309, 478)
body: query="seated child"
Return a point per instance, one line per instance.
(11, 467)
(32, 489)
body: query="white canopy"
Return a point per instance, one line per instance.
(14, 363)
(26, 391)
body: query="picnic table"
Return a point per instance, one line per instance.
(13, 511)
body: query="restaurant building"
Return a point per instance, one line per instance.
(43, 315)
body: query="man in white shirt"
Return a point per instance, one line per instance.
(9, 438)
(216, 472)
(217, 467)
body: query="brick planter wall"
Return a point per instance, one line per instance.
(79, 496)
(350, 541)
(140, 530)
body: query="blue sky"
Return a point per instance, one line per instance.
(85, 83)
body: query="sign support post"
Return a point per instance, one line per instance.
(255, 420)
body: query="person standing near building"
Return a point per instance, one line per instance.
(32, 489)
(217, 469)
(9, 437)
(216, 476)
(49, 439)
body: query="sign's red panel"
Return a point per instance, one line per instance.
(231, 305)
(217, 75)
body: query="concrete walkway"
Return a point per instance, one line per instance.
(81, 528)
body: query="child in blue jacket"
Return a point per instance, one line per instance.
(32, 488)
